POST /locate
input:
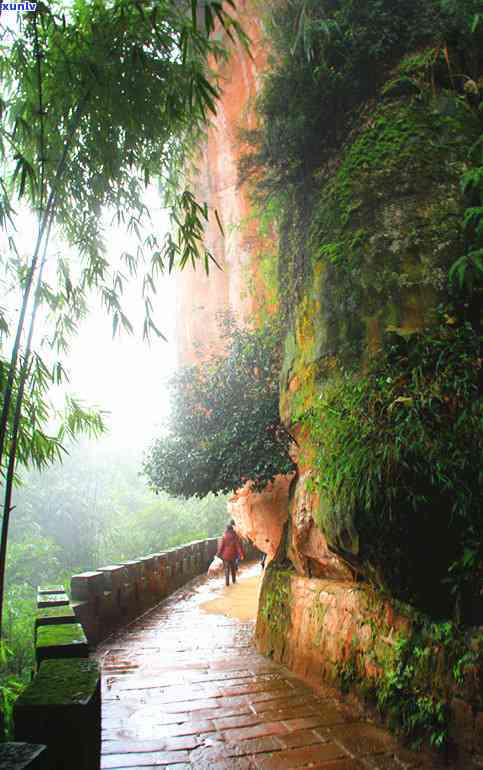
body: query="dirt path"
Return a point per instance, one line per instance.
(184, 688)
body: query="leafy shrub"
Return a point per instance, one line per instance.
(224, 427)
(398, 460)
(329, 57)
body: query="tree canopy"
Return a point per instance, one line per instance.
(224, 428)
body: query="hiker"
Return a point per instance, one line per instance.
(230, 550)
(237, 560)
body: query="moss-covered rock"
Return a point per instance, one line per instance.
(387, 225)
(54, 616)
(65, 611)
(62, 683)
(63, 705)
(274, 619)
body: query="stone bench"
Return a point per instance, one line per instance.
(61, 640)
(62, 708)
(23, 756)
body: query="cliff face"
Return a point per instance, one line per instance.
(365, 255)
(200, 297)
(236, 287)
(361, 263)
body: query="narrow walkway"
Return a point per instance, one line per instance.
(184, 687)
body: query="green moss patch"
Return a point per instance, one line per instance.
(386, 225)
(65, 611)
(398, 459)
(419, 675)
(62, 683)
(275, 607)
(58, 635)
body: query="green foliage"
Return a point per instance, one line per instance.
(329, 58)
(346, 673)
(467, 270)
(162, 523)
(416, 678)
(413, 688)
(44, 429)
(224, 427)
(33, 559)
(331, 64)
(25, 557)
(94, 508)
(123, 90)
(398, 458)
(10, 689)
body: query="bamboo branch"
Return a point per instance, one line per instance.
(49, 209)
(23, 377)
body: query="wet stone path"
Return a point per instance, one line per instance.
(186, 689)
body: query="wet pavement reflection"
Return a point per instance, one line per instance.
(185, 688)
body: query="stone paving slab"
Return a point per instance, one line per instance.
(183, 688)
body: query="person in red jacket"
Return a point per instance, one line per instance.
(230, 550)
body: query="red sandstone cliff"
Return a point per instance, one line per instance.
(200, 298)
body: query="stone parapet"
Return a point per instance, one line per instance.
(61, 708)
(62, 704)
(110, 597)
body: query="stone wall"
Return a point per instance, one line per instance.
(112, 596)
(346, 634)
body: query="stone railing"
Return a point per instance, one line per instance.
(112, 596)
